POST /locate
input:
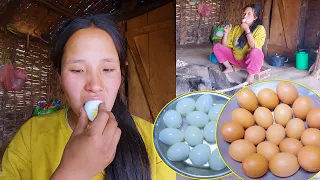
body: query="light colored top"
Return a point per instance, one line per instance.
(36, 150)
(259, 34)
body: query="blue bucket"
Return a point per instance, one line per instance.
(213, 58)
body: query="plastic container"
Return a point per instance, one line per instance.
(302, 59)
(213, 58)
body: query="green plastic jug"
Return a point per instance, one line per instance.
(302, 60)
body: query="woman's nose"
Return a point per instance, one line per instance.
(94, 83)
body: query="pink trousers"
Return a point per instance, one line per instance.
(252, 63)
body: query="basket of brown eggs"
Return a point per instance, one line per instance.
(270, 130)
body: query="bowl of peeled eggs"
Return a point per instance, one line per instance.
(270, 130)
(184, 135)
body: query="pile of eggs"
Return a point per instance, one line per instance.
(278, 141)
(190, 132)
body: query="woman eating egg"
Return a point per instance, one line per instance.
(88, 54)
(242, 44)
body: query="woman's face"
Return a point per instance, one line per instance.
(90, 68)
(248, 14)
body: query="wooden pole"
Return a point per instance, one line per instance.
(316, 66)
(266, 23)
(302, 22)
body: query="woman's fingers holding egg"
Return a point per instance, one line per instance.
(82, 122)
(100, 121)
(111, 127)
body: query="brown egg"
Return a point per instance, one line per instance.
(240, 149)
(290, 145)
(255, 165)
(247, 99)
(284, 164)
(267, 149)
(287, 92)
(231, 131)
(263, 117)
(243, 116)
(268, 98)
(255, 134)
(311, 136)
(295, 128)
(282, 114)
(276, 133)
(309, 158)
(313, 118)
(301, 107)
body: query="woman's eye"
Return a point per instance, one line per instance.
(77, 71)
(108, 70)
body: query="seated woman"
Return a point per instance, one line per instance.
(241, 45)
(88, 55)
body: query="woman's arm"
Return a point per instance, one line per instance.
(227, 29)
(250, 39)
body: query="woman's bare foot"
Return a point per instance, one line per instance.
(250, 78)
(228, 70)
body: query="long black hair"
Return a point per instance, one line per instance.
(256, 10)
(131, 160)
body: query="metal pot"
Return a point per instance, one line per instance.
(277, 60)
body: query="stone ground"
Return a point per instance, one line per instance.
(202, 74)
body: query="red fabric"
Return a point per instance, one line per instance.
(204, 10)
(13, 80)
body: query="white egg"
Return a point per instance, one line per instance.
(186, 105)
(209, 132)
(204, 103)
(171, 136)
(215, 111)
(172, 119)
(193, 135)
(178, 152)
(244, 20)
(91, 108)
(199, 155)
(215, 161)
(197, 118)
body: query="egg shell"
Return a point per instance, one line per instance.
(276, 133)
(301, 107)
(243, 116)
(255, 165)
(240, 149)
(197, 118)
(267, 149)
(294, 128)
(214, 112)
(313, 118)
(263, 117)
(284, 164)
(311, 136)
(91, 108)
(247, 99)
(287, 92)
(268, 98)
(290, 145)
(171, 136)
(209, 132)
(309, 158)
(215, 161)
(193, 135)
(172, 119)
(231, 131)
(178, 152)
(204, 103)
(199, 155)
(255, 134)
(282, 114)
(185, 105)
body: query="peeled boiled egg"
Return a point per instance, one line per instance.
(215, 161)
(282, 114)
(240, 149)
(178, 152)
(263, 117)
(290, 145)
(284, 164)
(267, 149)
(309, 158)
(301, 106)
(313, 118)
(209, 132)
(244, 20)
(231, 131)
(199, 155)
(268, 98)
(91, 108)
(193, 135)
(255, 165)
(171, 136)
(311, 136)
(197, 118)
(247, 99)
(243, 116)
(215, 111)
(186, 105)
(287, 92)
(276, 133)
(172, 119)
(255, 134)
(294, 128)
(204, 103)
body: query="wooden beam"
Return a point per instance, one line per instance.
(266, 22)
(151, 28)
(284, 22)
(279, 48)
(302, 22)
(58, 8)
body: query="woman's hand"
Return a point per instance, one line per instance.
(90, 149)
(227, 28)
(245, 27)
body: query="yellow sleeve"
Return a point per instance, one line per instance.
(163, 171)
(260, 36)
(16, 161)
